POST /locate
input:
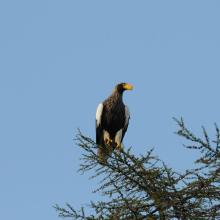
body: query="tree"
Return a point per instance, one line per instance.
(140, 189)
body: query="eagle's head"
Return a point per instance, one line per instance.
(121, 87)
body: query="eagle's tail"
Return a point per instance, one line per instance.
(104, 153)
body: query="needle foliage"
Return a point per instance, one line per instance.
(145, 188)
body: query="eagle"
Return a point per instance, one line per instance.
(112, 119)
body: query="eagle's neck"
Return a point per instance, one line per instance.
(118, 97)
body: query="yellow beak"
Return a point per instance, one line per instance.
(128, 86)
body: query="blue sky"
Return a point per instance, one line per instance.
(60, 59)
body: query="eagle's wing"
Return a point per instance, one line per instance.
(98, 122)
(127, 117)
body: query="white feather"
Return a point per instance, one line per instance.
(118, 136)
(127, 116)
(99, 114)
(105, 134)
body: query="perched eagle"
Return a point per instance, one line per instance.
(112, 118)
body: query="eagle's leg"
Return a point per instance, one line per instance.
(108, 140)
(107, 137)
(118, 146)
(118, 138)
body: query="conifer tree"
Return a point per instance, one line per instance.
(138, 188)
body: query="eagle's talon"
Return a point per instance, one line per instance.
(108, 141)
(119, 147)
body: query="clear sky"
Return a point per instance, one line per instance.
(60, 59)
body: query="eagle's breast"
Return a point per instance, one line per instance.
(114, 116)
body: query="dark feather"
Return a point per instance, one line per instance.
(114, 117)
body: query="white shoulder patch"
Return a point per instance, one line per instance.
(127, 116)
(99, 114)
